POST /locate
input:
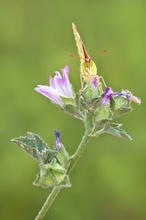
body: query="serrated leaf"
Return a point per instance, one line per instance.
(114, 129)
(122, 111)
(36, 147)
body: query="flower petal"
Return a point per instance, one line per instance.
(66, 69)
(52, 84)
(106, 98)
(62, 84)
(50, 93)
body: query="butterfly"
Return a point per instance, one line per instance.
(88, 67)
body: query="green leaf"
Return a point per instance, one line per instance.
(114, 129)
(36, 147)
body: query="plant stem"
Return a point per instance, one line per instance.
(79, 151)
(48, 203)
(74, 160)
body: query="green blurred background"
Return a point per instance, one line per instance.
(109, 182)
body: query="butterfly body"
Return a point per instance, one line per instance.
(88, 70)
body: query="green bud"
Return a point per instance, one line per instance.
(50, 175)
(102, 114)
(90, 94)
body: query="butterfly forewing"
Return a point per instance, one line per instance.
(83, 54)
(88, 68)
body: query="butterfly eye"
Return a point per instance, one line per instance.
(91, 63)
(85, 64)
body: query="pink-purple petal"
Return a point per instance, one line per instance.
(63, 85)
(50, 93)
(59, 87)
(52, 84)
(57, 74)
(66, 70)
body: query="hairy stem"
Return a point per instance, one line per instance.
(48, 203)
(79, 151)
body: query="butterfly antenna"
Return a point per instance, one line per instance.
(71, 55)
(103, 51)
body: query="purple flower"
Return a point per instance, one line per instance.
(59, 87)
(128, 95)
(58, 143)
(107, 95)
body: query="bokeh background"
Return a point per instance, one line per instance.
(109, 182)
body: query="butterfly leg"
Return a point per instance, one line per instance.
(82, 83)
(100, 77)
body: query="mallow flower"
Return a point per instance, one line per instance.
(59, 87)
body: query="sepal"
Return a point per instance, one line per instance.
(72, 110)
(68, 101)
(71, 107)
(62, 157)
(102, 114)
(120, 106)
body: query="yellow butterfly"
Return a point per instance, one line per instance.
(88, 68)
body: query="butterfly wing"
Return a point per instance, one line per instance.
(88, 67)
(80, 46)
